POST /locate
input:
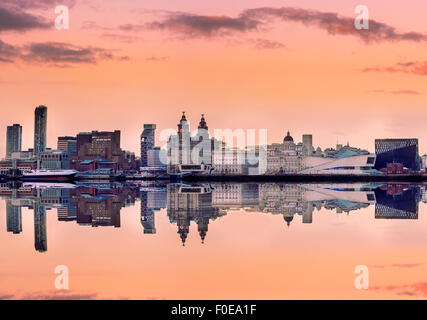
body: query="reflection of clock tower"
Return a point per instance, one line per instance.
(183, 228)
(202, 226)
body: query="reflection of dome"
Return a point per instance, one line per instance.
(288, 219)
(288, 138)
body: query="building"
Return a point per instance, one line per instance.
(183, 149)
(397, 201)
(307, 141)
(403, 151)
(347, 160)
(156, 157)
(54, 159)
(102, 146)
(147, 142)
(13, 140)
(68, 144)
(21, 165)
(285, 158)
(40, 127)
(14, 217)
(229, 161)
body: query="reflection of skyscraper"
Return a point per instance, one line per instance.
(13, 140)
(40, 124)
(147, 142)
(147, 214)
(40, 235)
(14, 217)
(397, 202)
(404, 151)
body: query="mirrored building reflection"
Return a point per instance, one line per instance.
(199, 205)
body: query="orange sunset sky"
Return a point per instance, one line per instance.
(296, 64)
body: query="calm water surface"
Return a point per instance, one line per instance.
(213, 241)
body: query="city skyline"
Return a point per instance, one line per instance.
(266, 78)
(305, 137)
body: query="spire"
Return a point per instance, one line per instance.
(202, 124)
(183, 118)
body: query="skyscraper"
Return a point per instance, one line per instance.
(40, 125)
(147, 142)
(13, 140)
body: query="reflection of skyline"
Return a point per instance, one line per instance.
(100, 205)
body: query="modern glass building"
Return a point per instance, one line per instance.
(147, 142)
(404, 151)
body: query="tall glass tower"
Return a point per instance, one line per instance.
(147, 142)
(40, 124)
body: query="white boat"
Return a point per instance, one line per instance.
(49, 175)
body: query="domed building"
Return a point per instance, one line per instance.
(288, 143)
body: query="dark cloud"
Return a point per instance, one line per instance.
(192, 25)
(7, 52)
(131, 27)
(57, 52)
(417, 68)
(36, 4)
(334, 24)
(15, 20)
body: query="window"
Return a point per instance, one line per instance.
(371, 160)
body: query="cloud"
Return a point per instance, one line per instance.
(7, 52)
(406, 265)
(267, 44)
(415, 289)
(120, 37)
(15, 20)
(397, 92)
(57, 52)
(58, 295)
(334, 24)
(156, 59)
(412, 67)
(397, 265)
(36, 4)
(192, 25)
(49, 295)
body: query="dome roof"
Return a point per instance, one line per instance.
(288, 138)
(288, 219)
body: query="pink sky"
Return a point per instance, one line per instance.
(280, 75)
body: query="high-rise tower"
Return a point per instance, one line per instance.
(147, 142)
(40, 125)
